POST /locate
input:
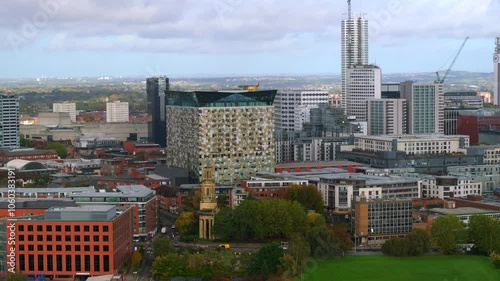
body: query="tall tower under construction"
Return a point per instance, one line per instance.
(354, 45)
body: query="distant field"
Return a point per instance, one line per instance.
(383, 268)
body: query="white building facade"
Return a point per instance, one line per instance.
(69, 107)
(386, 117)
(446, 187)
(364, 83)
(9, 122)
(117, 112)
(354, 32)
(292, 107)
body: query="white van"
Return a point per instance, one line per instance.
(164, 230)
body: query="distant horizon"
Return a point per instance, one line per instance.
(212, 76)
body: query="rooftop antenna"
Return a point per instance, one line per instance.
(349, 9)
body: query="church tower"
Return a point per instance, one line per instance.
(208, 204)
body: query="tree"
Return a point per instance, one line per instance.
(24, 142)
(308, 196)
(18, 276)
(341, 233)
(267, 260)
(418, 242)
(447, 232)
(222, 201)
(495, 259)
(484, 232)
(395, 247)
(168, 267)
(192, 201)
(298, 251)
(186, 223)
(162, 246)
(136, 260)
(322, 240)
(224, 224)
(60, 148)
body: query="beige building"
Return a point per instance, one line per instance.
(69, 107)
(233, 130)
(386, 117)
(117, 112)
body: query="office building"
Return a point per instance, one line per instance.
(475, 123)
(496, 67)
(67, 242)
(117, 112)
(354, 32)
(363, 84)
(487, 175)
(156, 90)
(387, 117)
(463, 99)
(9, 122)
(445, 187)
(375, 220)
(234, 130)
(69, 107)
(292, 107)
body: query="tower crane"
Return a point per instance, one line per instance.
(441, 80)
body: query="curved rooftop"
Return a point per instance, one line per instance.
(24, 165)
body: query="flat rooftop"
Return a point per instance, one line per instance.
(315, 164)
(413, 137)
(462, 211)
(37, 203)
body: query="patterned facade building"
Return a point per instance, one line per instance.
(234, 130)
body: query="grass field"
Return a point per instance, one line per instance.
(383, 268)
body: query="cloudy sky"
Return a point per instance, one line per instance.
(236, 37)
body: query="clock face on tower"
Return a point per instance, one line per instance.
(496, 58)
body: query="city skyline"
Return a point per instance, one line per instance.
(142, 38)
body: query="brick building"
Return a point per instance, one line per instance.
(67, 242)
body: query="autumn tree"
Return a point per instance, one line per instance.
(341, 233)
(136, 260)
(168, 267)
(308, 196)
(447, 232)
(186, 223)
(192, 201)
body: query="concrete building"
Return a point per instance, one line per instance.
(117, 112)
(354, 50)
(496, 67)
(363, 84)
(387, 117)
(445, 187)
(292, 107)
(262, 189)
(476, 123)
(69, 107)
(9, 122)
(156, 90)
(67, 242)
(491, 154)
(465, 99)
(464, 213)
(487, 175)
(340, 189)
(374, 221)
(234, 130)
(425, 107)
(391, 91)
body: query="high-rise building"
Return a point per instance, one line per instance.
(65, 107)
(292, 107)
(233, 131)
(363, 84)
(496, 61)
(425, 103)
(354, 46)
(387, 117)
(9, 121)
(117, 112)
(156, 89)
(391, 91)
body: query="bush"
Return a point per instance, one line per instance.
(414, 244)
(495, 259)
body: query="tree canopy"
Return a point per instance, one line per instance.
(308, 196)
(447, 232)
(484, 232)
(60, 149)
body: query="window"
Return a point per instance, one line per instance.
(48, 228)
(39, 247)
(78, 248)
(105, 238)
(40, 263)
(86, 238)
(49, 247)
(97, 263)
(67, 228)
(21, 228)
(30, 228)
(96, 238)
(68, 263)
(22, 265)
(39, 228)
(21, 237)
(77, 238)
(50, 263)
(31, 262)
(58, 248)
(68, 248)
(87, 262)
(49, 237)
(78, 263)
(39, 238)
(58, 238)
(21, 247)
(86, 248)
(67, 238)
(106, 262)
(105, 248)
(58, 228)
(77, 228)
(31, 247)
(86, 228)
(59, 266)
(96, 228)
(105, 228)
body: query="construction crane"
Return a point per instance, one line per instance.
(441, 80)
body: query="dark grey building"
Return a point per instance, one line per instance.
(390, 91)
(156, 90)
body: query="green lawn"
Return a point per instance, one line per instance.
(383, 268)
